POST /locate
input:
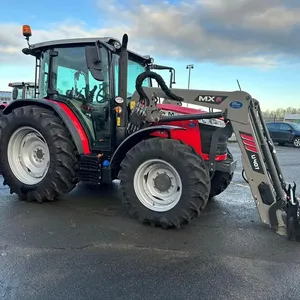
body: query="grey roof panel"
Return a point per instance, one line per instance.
(83, 41)
(72, 41)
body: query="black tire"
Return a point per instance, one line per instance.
(193, 173)
(61, 176)
(221, 180)
(296, 142)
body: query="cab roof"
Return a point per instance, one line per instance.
(21, 83)
(77, 41)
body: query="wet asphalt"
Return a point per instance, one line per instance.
(85, 247)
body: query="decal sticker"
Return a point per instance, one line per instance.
(192, 125)
(169, 113)
(252, 152)
(210, 99)
(236, 104)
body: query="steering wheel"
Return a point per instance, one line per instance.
(101, 95)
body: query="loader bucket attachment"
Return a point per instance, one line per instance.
(275, 200)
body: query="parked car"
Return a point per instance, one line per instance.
(285, 133)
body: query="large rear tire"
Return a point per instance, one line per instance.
(221, 180)
(38, 158)
(163, 183)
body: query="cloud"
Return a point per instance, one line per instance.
(237, 32)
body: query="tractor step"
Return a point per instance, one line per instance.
(224, 166)
(90, 169)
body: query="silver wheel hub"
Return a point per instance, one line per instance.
(297, 142)
(28, 155)
(157, 185)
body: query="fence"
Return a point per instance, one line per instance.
(274, 119)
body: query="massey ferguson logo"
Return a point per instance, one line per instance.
(207, 98)
(211, 99)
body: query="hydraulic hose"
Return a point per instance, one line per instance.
(159, 80)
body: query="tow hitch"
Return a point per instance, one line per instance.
(293, 213)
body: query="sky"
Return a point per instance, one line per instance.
(254, 41)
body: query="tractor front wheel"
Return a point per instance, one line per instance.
(163, 183)
(37, 155)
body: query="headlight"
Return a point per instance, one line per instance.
(212, 122)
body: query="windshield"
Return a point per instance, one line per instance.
(134, 70)
(296, 126)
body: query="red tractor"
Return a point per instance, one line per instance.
(78, 131)
(96, 118)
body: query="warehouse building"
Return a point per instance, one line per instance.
(294, 118)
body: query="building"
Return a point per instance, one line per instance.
(293, 118)
(5, 96)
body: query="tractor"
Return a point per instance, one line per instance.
(22, 90)
(97, 118)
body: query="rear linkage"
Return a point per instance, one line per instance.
(146, 113)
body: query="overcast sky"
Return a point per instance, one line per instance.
(255, 41)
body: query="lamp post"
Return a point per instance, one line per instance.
(189, 67)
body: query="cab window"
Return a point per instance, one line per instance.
(133, 71)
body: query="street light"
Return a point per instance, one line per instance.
(189, 67)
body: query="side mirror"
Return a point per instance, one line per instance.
(94, 61)
(15, 93)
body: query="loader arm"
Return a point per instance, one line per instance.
(243, 114)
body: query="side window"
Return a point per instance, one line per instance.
(285, 127)
(70, 82)
(43, 76)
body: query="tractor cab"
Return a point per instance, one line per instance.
(22, 90)
(85, 74)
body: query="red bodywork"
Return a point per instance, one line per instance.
(77, 124)
(191, 136)
(3, 105)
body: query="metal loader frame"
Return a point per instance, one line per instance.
(275, 200)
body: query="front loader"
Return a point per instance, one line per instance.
(91, 124)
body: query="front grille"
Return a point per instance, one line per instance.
(206, 132)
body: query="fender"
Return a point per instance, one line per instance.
(132, 140)
(67, 116)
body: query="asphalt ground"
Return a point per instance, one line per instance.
(85, 247)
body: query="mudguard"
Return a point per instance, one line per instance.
(65, 113)
(132, 140)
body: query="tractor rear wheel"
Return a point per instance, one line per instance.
(37, 155)
(221, 180)
(163, 183)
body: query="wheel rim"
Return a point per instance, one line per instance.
(28, 155)
(157, 185)
(297, 142)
